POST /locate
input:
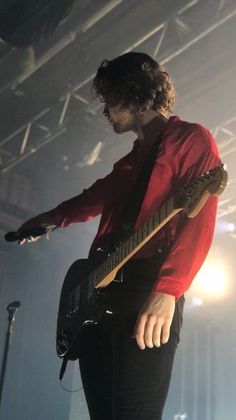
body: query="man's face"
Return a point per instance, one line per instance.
(121, 120)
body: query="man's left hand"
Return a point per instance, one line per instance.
(153, 325)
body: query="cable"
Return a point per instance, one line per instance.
(70, 390)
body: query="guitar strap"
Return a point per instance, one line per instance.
(131, 211)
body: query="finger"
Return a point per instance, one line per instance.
(157, 333)
(35, 238)
(22, 241)
(148, 332)
(32, 238)
(29, 239)
(139, 331)
(165, 333)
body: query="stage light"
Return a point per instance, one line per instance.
(92, 157)
(212, 280)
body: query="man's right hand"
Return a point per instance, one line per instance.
(44, 220)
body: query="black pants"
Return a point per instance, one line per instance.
(121, 381)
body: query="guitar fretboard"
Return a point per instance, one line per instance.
(134, 242)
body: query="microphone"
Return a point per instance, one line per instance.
(24, 234)
(14, 306)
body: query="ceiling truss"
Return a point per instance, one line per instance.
(28, 141)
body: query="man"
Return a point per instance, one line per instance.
(127, 360)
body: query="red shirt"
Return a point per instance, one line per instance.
(187, 150)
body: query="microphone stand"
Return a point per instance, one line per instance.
(12, 308)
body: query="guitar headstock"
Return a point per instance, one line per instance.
(193, 196)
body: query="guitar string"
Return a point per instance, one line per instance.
(131, 240)
(79, 290)
(122, 249)
(84, 284)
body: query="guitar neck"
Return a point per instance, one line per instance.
(101, 276)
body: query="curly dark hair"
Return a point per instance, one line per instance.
(136, 82)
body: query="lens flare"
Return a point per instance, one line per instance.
(212, 280)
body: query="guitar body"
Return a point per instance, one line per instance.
(76, 311)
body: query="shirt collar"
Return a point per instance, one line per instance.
(171, 121)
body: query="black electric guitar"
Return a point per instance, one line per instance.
(78, 304)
